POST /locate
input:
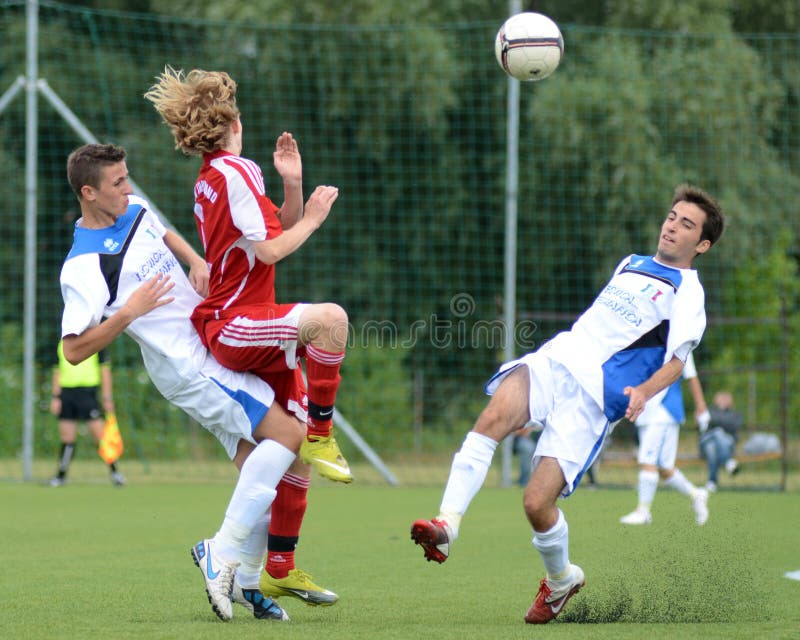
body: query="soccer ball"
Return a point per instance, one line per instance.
(529, 46)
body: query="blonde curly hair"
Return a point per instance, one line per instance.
(198, 107)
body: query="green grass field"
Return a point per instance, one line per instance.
(90, 561)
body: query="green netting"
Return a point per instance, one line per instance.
(410, 122)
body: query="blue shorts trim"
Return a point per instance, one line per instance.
(255, 409)
(592, 457)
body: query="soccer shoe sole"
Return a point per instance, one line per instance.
(422, 535)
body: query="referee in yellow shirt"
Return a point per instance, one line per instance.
(75, 400)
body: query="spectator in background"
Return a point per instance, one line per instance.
(75, 400)
(718, 441)
(658, 427)
(523, 447)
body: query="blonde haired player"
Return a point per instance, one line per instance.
(244, 235)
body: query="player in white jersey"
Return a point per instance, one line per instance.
(630, 344)
(122, 275)
(658, 427)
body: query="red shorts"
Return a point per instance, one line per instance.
(262, 340)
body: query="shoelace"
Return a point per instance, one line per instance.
(555, 594)
(302, 577)
(226, 577)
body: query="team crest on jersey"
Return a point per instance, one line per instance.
(110, 245)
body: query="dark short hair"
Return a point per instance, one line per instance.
(85, 163)
(714, 224)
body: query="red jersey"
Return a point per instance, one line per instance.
(232, 211)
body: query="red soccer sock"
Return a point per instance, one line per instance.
(322, 371)
(288, 510)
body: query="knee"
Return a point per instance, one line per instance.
(537, 509)
(296, 434)
(281, 427)
(331, 314)
(326, 323)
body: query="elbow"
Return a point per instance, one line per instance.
(267, 256)
(73, 355)
(73, 359)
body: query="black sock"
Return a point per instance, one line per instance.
(65, 457)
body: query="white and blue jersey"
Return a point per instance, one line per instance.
(646, 314)
(105, 266)
(666, 407)
(102, 270)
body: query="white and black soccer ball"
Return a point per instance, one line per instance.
(529, 46)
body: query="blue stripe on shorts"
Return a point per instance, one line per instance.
(254, 408)
(592, 457)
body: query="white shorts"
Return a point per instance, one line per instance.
(575, 426)
(658, 444)
(229, 404)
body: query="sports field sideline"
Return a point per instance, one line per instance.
(91, 561)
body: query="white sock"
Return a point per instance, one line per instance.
(553, 546)
(253, 553)
(680, 482)
(253, 495)
(648, 483)
(467, 473)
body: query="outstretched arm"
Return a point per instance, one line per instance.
(661, 379)
(148, 296)
(317, 208)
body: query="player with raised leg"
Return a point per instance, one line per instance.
(628, 345)
(244, 235)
